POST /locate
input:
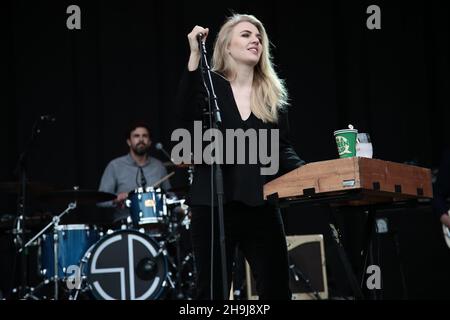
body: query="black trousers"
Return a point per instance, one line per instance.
(259, 234)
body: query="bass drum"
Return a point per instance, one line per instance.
(126, 265)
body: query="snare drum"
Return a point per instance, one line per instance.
(73, 242)
(126, 265)
(147, 207)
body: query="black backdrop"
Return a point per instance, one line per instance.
(125, 63)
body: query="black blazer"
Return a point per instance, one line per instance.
(242, 182)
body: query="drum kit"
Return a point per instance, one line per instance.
(148, 257)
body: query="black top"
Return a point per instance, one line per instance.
(442, 186)
(242, 182)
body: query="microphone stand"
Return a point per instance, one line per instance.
(216, 122)
(19, 226)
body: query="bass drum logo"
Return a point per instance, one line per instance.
(127, 265)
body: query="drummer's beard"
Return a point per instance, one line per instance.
(141, 149)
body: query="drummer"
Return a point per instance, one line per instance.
(133, 170)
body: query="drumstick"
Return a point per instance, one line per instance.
(162, 180)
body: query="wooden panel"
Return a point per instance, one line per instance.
(323, 176)
(389, 174)
(384, 179)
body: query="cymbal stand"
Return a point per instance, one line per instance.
(55, 256)
(31, 295)
(70, 207)
(55, 224)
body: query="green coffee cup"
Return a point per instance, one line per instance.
(346, 142)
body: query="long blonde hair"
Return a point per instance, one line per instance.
(269, 93)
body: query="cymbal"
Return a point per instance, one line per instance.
(33, 220)
(90, 215)
(80, 196)
(82, 214)
(170, 164)
(15, 187)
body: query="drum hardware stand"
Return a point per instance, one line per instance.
(182, 263)
(174, 238)
(169, 280)
(180, 294)
(55, 224)
(74, 296)
(190, 174)
(83, 261)
(36, 289)
(177, 264)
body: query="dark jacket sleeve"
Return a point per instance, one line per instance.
(442, 186)
(289, 160)
(190, 100)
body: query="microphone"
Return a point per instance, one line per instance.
(159, 146)
(47, 117)
(201, 43)
(206, 70)
(143, 180)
